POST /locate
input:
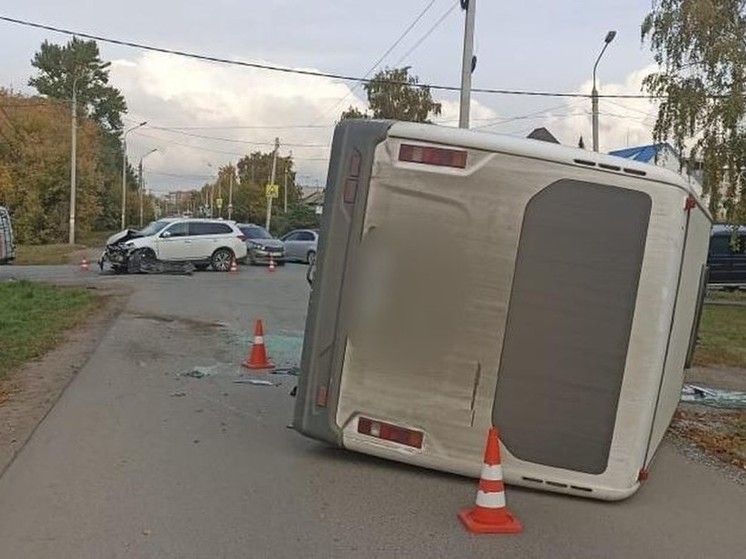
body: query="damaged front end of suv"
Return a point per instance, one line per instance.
(129, 252)
(119, 248)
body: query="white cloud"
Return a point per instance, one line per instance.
(213, 99)
(171, 92)
(477, 113)
(622, 122)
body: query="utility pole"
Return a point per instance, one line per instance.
(220, 194)
(230, 194)
(594, 92)
(142, 183)
(287, 164)
(139, 174)
(468, 62)
(272, 181)
(73, 161)
(124, 171)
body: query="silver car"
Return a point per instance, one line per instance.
(300, 245)
(261, 245)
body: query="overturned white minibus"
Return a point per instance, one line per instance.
(467, 279)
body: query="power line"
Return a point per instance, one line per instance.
(233, 140)
(427, 34)
(542, 112)
(648, 114)
(162, 141)
(383, 56)
(178, 175)
(268, 127)
(311, 73)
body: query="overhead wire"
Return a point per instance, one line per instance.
(234, 140)
(383, 56)
(628, 108)
(263, 127)
(302, 72)
(163, 141)
(427, 34)
(505, 120)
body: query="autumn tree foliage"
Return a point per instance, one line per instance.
(395, 94)
(700, 47)
(35, 168)
(35, 142)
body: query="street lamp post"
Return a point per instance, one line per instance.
(139, 169)
(73, 159)
(124, 171)
(230, 194)
(594, 93)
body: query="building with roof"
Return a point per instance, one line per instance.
(315, 200)
(663, 155)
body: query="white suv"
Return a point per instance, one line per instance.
(203, 242)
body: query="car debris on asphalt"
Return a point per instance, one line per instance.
(725, 399)
(286, 371)
(256, 382)
(200, 372)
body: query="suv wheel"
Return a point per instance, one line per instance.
(221, 260)
(138, 258)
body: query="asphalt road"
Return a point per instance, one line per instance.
(138, 460)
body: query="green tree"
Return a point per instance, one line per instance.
(700, 49)
(354, 112)
(35, 168)
(254, 172)
(79, 62)
(394, 94)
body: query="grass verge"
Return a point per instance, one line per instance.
(723, 295)
(94, 238)
(722, 336)
(50, 255)
(55, 254)
(34, 318)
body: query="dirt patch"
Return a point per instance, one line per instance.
(189, 322)
(27, 395)
(724, 378)
(719, 432)
(719, 435)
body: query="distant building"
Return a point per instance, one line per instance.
(663, 155)
(315, 199)
(543, 135)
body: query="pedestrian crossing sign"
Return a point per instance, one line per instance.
(272, 190)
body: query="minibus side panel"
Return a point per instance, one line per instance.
(324, 341)
(684, 317)
(574, 292)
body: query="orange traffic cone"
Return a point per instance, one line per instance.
(84, 265)
(257, 359)
(271, 264)
(234, 267)
(491, 515)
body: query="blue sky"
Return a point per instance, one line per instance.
(532, 44)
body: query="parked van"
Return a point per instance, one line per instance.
(7, 240)
(727, 256)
